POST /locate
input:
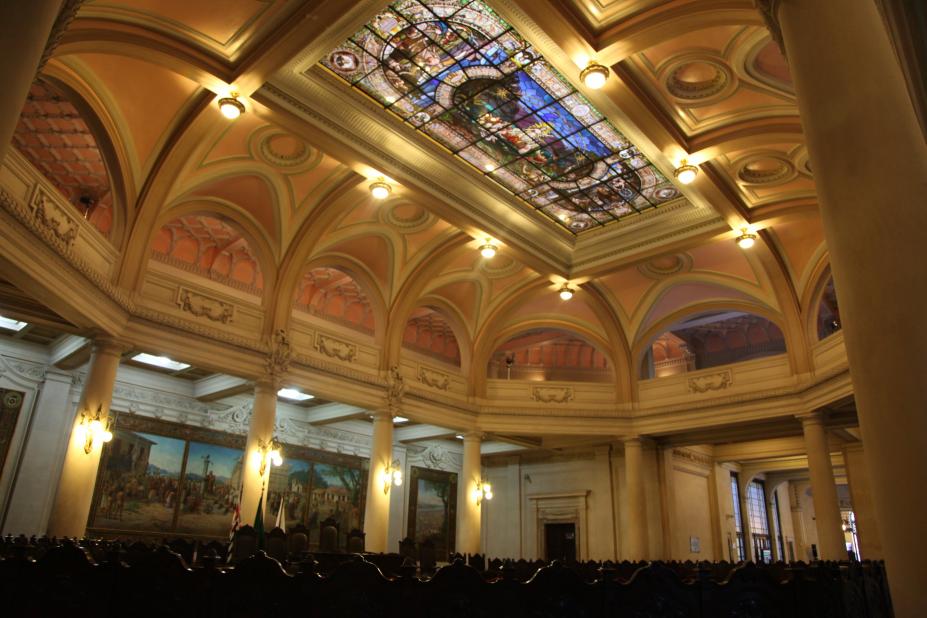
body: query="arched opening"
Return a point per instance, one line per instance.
(711, 339)
(211, 248)
(334, 295)
(828, 311)
(54, 137)
(428, 332)
(549, 354)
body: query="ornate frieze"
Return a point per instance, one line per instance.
(335, 348)
(278, 359)
(434, 379)
(711, 382)
(552, 394)
(54, 218)
(203, 306)
(698, 458)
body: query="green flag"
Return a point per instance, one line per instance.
(259, 521)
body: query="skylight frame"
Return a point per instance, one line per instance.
(625, 181)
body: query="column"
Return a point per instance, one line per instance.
(24, 31)
(636, 546)
(771, 524)
(37, 478)
(867, 530)
(468, 508)
(79, 473)
(376, 512)
(870, 168)
(260, 435)
(743, 484)
(823, 489)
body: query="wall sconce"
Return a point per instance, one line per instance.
(391, 475)
(482, 492)
(268, 453)
(94, 429)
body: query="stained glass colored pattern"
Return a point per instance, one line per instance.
(459, 73)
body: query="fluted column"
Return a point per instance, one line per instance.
(468, 511)
(79, 473)
(636, 545)
(24, 31)
(870, 170)
(823, 489)
(376, 511)
(260, 435)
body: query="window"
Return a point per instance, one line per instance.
(738, 517)
(779, 539)
(759, 524)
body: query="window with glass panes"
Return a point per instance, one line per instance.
(738, 517)
(759, 525)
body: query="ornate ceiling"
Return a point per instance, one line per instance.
(271, 213)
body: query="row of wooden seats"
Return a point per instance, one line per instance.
(66, 580)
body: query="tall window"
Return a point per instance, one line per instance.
(759, 525)
(738, 517)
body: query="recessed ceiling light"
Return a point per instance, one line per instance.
(231, 107)
(746, 239)
(380, 190)
(159, 361)
(685, 173)
(294, 395)
(400, 419)
(565, 292)
(594, 75)
(10, 324)
(488, 250)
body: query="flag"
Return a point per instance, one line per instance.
(236, 521)
(259, 521)
(281, 515)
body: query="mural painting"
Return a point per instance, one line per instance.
(433, 509)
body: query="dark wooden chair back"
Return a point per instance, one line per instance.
(328, 535)
(356, 540)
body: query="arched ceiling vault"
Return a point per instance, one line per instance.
(726, 103)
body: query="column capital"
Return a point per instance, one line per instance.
(815, 417)
(266, 384)
(470, 436)
(277, 363)
(109, 346)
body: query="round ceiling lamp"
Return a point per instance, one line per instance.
(380, 190)
(488, 250)
(231, 107)
(746, 239)
(685, 173)
(565, 292)
(594, 75)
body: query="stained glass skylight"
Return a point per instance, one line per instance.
(456, 71)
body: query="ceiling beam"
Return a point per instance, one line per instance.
(219, 385)
(416, 433)
(334, 412)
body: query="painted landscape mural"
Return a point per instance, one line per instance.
(433, 508)
(161, 478)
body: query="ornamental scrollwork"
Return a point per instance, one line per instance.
(552, 394)
(711, 382)
(200, 305)
(434, 379)
(335, 348)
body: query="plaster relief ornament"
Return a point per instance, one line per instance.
(54, 219)
(552, 394)
(395, 387)
(200, 305)
(335, 348)
(460, 74)
(434, 379)
(278, 360)
(711, 382)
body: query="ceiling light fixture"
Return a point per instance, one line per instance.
(399, 419)
(294, 395)
(160, 361)
(380, 190)
(685, 173)
(594, 75)
(488, 250)
(565, 292)
(10, 324)
(231, 107)
(746, 239)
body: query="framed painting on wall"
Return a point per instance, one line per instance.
(11, 402)
(433, 509)
(210, 490)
